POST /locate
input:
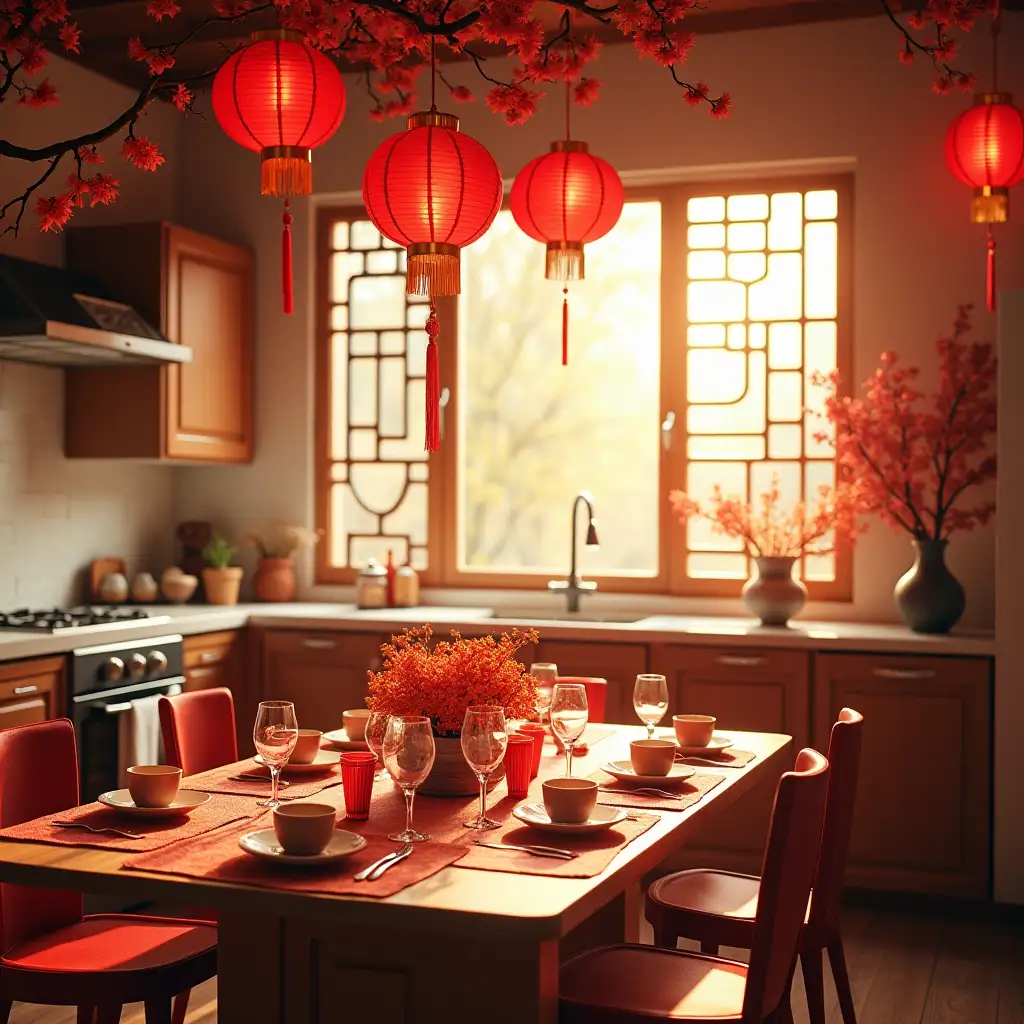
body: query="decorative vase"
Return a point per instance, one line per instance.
(929, 597)
(451, 774)
(772, 593)
(222, 585)
(274, 579)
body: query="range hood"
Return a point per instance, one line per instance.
(54, 316)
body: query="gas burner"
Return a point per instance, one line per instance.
(56, 619)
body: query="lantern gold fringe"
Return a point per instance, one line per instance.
(286, 176)
(990, 205)
(433, 273)
(564, 264)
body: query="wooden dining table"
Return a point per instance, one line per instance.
(461, 945)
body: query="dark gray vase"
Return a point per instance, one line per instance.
(929, 596)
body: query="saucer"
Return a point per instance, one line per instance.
(537, 817)
(338, 740)
(623, 771)
(324, 761)
(719, 742)
(121, 800)
(264, 844)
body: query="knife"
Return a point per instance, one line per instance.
(388, 864)
(363, 875)
(537, 851)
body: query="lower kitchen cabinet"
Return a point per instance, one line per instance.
(922, 820)
(322, 674)
(31, 691)
(214, 659)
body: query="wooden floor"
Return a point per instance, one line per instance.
(905, 969)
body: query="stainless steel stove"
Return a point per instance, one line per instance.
(84, 619)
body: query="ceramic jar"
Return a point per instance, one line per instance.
(274, 579)
(144, 588)
(928, 595)
(451, 774)
(113, 588)
(772, 593)
(407, 587)
(372, 586)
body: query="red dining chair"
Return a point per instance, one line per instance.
(51, 953)
(718, 907)
(198, 729)
(597, 694)
(631, 984)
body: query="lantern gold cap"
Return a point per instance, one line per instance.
(990, 205)
(991, 99)
(433, 119)
(290, 35)
(569, 146)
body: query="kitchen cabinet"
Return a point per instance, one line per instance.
(922, 818)
(199, 292)
(31, 691)
(321, 673)
(214, 659)
(752, 689)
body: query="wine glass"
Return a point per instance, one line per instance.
(545, 673)
(274, 735)
(376, 729)
(569, 717)
(650, 699)
(484, 739)
(408, 757)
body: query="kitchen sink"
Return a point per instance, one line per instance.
(533, 615)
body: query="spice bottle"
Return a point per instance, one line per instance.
(372, 585)
(407, 586)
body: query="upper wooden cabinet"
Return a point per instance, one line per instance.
(31, 691)
(198, 291)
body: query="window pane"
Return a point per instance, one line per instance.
(532, 432)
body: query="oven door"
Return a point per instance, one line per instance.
(97, 727)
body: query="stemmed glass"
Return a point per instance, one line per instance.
(484, 739)
(376, 729)
(569, 711)
(408, 757)
(274, 735)
(650, 699)
(545, 673)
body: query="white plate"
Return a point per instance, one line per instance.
(324, 761)
(719, 742)
(264, 844)
(623, 771)
(338, 740)
(537, 817)
(121, 800)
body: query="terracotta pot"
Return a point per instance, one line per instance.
(274, 579)
(222, 585)
(451, 774)
(928, 595)
(772, 593)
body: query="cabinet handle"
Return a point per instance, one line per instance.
(668, 425)
(740, 661)
(26, 689)
(442, 404)
(208, 656)
(904, 673)
(7, 709)
(318, 645)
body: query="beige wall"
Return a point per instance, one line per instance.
(57, 514)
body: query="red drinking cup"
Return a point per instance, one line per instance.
(538, 733)
(518, 763)
(357, 771)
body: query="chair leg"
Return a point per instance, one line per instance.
(158, 1011)
(784, 1014)
(711, 948)
(814, 986)
(666, 940)
(180, 1007)
(86, 1015)
(5, 1010)
(108, 1015)
(837, 958)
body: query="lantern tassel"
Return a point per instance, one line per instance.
(432, 442)
(990, 279)
(287, 294)
(565, 327)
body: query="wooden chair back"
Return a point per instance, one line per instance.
(198, 729)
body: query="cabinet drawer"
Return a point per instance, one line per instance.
(23, 712)
(209, 648)
(39, 679)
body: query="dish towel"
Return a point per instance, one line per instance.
(138, 739)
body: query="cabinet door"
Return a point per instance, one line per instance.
(209, 309)
(31, 691)
(620, 664)
(323, 674)
(22, 712)
(756, 690)
(214, 659)
(922, 819)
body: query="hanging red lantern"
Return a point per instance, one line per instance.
(281, 98)
(433, 190)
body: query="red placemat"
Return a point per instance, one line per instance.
(218, 780)
(690, 791)
(728, 758)
(156, 832)
(217, 858)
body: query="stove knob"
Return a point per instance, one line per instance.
(137, 666)
(113, 669)
(156, 662)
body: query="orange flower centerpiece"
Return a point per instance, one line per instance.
(776, 538)
(441, 680)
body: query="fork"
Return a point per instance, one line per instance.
(404, 850)
(644, 790)
(537, 851)
(98, 831)
(258, 778)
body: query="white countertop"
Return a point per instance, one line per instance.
(680, 629)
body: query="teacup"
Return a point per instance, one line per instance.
(355, 723)
(307, 746)
(153, 785)
(569, 801)
(304, 829)
(652, 757)
(694, 730)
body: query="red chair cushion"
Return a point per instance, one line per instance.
(112, 943)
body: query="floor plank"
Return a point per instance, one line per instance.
(202, 1009)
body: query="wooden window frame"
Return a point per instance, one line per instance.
(443, 467)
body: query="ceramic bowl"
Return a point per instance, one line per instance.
(570, 801)
(694, 730)
(307, 746)
(652, 757)
(355, 722)
(153, 785)
(304, 829)
(178, 588)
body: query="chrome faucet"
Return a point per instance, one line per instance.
(574, 585)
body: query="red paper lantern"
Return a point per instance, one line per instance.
(985, 149)
(281, 98)
(565, 199)
(433, 190)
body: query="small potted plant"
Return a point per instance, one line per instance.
(276, 544)
(221, 579)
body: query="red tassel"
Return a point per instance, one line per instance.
(990, 282)
(287, 295)
(565, 327)
(432, 443)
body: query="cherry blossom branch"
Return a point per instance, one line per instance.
(21, 201)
